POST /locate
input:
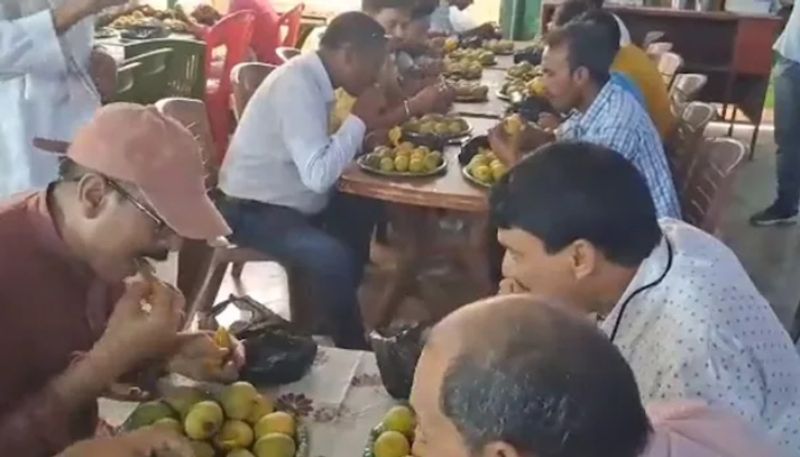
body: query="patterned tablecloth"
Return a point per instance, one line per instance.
(340, 400)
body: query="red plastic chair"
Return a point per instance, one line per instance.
(291, 20)
(233, 32)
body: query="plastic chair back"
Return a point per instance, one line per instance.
(685, 89)
(185, 73)
(234, 33)
(291, 20)
(245, 78)
(149, 81)
(668, 65)
(651, 37)
(287, 54)
(683, 149)
(710, 185)
(125, 79)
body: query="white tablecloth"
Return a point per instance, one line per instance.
(340, 400)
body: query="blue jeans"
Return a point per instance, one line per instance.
(787, 132)
(330, 250)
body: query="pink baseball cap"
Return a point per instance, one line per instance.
(139, 145)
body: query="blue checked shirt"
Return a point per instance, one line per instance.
(616, 120)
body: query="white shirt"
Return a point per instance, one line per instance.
(45, 90)
(705, 331)
(788, 44)
(281, 152)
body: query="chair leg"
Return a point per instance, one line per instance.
(236, 270)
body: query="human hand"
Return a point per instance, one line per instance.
(436, 97)
(149, 441)
(368, 106)
(200, 358)
(510, 286)
(548, 121)
(135, 334)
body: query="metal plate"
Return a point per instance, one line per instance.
(472, 179)
(395, 174)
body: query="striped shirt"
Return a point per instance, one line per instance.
(616, 120)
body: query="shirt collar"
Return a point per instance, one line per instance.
(321, 77)
(583, 120)
(649, 271)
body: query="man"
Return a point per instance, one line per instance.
(46, 84)
(575, 65)
(278, 175)
(131, 185)
(543, 382)
(787, 136)
(579, 227)
(406, 96)
(630, 61)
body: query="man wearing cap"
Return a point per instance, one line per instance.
(130, 187)
(51, 81)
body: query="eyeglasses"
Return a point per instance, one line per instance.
(160, 224)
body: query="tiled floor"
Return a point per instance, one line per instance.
(770, 255)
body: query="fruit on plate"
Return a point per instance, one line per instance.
(451, 44)
(277, 422)
(499, 46)
(513, 125)
(404, 158)
(485, 168)
(400, 419)
(238, 399)
(275, 445)
(395, 435)
(482, 56)
(437, 124)
(524, 71)
(232, 423)
(234, 434)
(392, 444)
(469, 90)
(204, 420)
(148, 413)
(465, 69)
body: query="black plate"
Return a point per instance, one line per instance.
(471, 147)
(144, 33)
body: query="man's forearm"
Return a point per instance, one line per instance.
(40, 423)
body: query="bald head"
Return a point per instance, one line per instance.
(516, 376)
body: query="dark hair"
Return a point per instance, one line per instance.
(569, 10)
(547, 383)
(355, 29)
(423, 8)
(606, 21)
(568, 191)
(588, 47)
(374, 6)
(68, 170)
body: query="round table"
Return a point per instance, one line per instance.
(415, 208)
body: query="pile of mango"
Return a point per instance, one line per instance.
(237, 422)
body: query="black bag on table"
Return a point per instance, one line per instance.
(277, 352)
(397, 352)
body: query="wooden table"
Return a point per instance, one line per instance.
(441, 216)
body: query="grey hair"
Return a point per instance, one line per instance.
(555, 390)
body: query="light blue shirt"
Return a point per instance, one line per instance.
(788, 44)
(626, 83)
(281, 152)
(440, 20)
(45, 90)
(617, 121)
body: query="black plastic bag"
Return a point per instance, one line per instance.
(397, 352)
(277, 352)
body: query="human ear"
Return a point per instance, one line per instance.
(92, 195)
(583, 258)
